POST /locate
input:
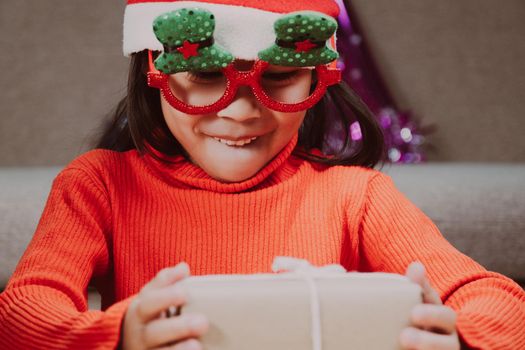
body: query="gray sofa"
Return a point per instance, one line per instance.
(479, 208)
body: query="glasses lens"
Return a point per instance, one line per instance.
(288, 85)
(198, 88)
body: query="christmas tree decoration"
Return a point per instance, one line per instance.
(187, 37)
(242, 27)
(188, 48)
(302, 40)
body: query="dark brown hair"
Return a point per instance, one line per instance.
(138, 120)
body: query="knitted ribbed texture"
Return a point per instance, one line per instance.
(119, 218)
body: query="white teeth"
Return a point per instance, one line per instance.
(235, 143)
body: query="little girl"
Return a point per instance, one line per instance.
(219, 159)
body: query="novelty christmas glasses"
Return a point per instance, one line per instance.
(197, 76)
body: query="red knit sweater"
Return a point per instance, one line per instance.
(117, 219)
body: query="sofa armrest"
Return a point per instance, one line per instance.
(478, 207)
(23, 193)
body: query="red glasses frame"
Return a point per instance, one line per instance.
(326, 76)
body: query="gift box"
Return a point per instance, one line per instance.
(308, 308)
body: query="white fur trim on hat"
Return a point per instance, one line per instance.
(243, 31)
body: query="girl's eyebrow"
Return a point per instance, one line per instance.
(281, 68)
(285, 69)
(246, 65)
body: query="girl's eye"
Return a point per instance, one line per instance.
(204, 77)
(280, 77)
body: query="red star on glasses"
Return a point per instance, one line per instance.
(188, 49)
(304, 46)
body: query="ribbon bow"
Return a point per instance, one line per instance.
(307, 271)
(303, 266)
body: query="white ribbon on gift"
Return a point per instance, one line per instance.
(307, 271)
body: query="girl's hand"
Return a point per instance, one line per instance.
(434, 323)
(145, 328)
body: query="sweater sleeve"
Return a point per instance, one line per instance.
(394, 233)
(44, 305)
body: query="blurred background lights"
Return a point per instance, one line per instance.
(406, 134)
(394, 155)
(355, 131)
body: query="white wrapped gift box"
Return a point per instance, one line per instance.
(309, 308)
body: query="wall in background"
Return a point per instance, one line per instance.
(456, 64)
(63, 71)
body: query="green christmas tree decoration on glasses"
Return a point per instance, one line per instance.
(187, 37)
(192, 62)
(301, 40)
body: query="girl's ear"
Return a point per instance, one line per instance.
(141, 60)
(147, 59)
(144, 69)
(151, 56)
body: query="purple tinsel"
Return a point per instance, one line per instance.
(403, 136)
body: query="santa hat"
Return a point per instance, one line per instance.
(243, 27)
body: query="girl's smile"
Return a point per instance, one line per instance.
(246, 144)
(236, 142)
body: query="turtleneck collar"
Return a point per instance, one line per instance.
(182, 173)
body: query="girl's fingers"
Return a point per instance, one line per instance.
(413, 338)
(152, 304)
(167, 276)
(168, 330)
(437, 318)
(416, 273)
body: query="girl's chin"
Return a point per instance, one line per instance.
(234, 173)
(233, 163)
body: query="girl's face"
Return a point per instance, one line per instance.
(234, 143)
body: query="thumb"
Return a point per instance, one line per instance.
(416, 273)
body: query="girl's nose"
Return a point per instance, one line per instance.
(244, 106)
